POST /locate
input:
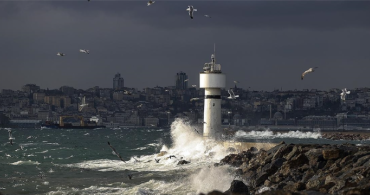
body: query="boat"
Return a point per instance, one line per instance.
(92, 124)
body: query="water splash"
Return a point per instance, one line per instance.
(267, 134)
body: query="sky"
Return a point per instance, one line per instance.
(265, 45)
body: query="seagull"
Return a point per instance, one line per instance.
(60, 54)
(232, 95)
(139, 106)
(194, 99)
(308, 71)
(186, 80)
(84, 51)
(236, 82)
(114, 150)
(194, 85)
(83, 104)
(127, 92)
(152, 125)
(10, 136)
(130, 176)
(229, 112)
(191, 11)
(207, 16)
(150, 2)
(157, 160)
(344, 93)
(197, 131)
(204, 122)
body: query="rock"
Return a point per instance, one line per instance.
(361, 161)
(293, 153)
(282, 151)
(237, 188)
(260, 179)
(253, 149)
(215, 192)
(183, 162)
(314, 183)
(230, 149)
(295, 187)
(358, 190)
(331, 154)
(272, 167)
(298, 161)
(278, 192)
(308, 175)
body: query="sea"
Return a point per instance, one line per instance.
(80, 161)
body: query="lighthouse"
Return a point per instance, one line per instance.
(212, 80)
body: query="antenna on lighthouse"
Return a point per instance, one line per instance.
(213, 56)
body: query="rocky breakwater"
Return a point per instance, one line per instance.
(346, 136)
(302, 168)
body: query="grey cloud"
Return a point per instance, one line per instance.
(265, 45)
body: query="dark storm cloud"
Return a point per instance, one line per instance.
(264, 44)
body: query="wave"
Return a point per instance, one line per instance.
(42, 152)
(140, 148)
(267, 134)
(191, 178)
(29, 162)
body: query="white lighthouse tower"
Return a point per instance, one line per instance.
(212, 80)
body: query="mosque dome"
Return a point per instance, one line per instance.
(278, 115)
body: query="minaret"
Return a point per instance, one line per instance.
(212, 80)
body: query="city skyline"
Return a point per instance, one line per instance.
(264, 45)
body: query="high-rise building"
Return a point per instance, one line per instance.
(118, 81)
(181, 80)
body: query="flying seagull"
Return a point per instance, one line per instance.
(84, 51)
(191, 11)
(186, 80)
(114, 150)
(150, 2)
(60, 54)
(197, 131)
(129, 176)
(83, 104)
(172, 156)
(157, 160)
(232, 95)
(207, 16)
(308, 71)
(127, 92)
(194, 99)
(344, 93)
(194, 85)
(236, 82)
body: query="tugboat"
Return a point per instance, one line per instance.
(92, 124)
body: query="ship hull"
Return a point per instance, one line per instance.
(56, 126)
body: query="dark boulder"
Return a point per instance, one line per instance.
(237, 188)
(183, 162)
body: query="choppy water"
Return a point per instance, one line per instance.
(56, 161)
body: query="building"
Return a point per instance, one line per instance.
(30, 88)
(181, 80)
(118, 82)
(38, 97)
